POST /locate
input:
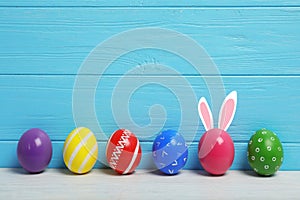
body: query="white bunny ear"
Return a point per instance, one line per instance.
(205, 114)
(227, 111)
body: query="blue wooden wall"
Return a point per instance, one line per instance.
(255, 45)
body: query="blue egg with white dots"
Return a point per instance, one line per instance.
(169, 152)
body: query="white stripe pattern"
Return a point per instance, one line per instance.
(70, 139)
(135, 154)
(78, 147)
(91, 153)
(118, 149)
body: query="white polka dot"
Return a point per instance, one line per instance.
(264, 132)
(252, 157)
(279, 148)
(277, 167)
(281, 159)
(250, 142)
(255, 170)
(274, 159)
(260, 140)
(262, 159)
(266, 166)
(269, 148)
(257, 150)
(272, 138)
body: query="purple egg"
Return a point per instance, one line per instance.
(34, 150)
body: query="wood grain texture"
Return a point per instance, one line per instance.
(104, 184)
(146, 3)
(255, 41)
(255, 45)
(291, 161)
(46, 102)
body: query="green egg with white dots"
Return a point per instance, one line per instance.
(265, 152)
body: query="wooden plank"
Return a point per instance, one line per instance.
(103, 184)
(143, 3)
(46, 102)
(56, 40)
(291, 161)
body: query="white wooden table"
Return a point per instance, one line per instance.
(143, 184)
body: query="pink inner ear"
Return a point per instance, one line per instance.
(206, 115)
(227, 113)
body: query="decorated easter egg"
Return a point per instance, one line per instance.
(169, 152)
(80, 151)
(123, 151)
(265, 152)
(34, 150)
(216, 151)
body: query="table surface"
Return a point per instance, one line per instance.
(146, 184)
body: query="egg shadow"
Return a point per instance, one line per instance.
(160, 173)
(203, 173)
(24, 172)
(66, 172)
(254, 174)
(111, 172)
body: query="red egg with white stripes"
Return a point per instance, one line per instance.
(123, 151)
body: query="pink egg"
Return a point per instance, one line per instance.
(216, 151)
(216, 148)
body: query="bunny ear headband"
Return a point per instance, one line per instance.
(226, 114)
(225, 118)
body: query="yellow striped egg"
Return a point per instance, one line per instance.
(80, 150)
